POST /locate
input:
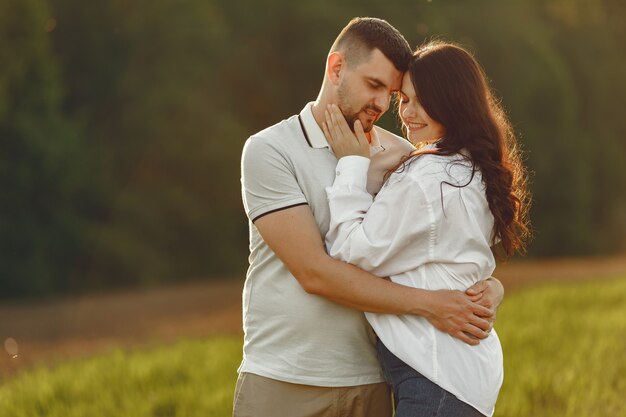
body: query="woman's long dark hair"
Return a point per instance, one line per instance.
(453, 89)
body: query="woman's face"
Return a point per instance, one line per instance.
(418, 124)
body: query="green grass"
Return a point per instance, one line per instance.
(564, 351)
(565, 355)
(189, 378)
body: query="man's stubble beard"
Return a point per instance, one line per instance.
(348, 112)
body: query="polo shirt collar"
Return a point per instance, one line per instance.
(316, 138)
(312, 131)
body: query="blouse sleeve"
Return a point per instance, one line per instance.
(392, 234)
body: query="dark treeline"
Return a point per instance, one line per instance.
(121, 123)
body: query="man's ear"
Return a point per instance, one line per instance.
(335, 67)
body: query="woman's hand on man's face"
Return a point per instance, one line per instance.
(341, 139)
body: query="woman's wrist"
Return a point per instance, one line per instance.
(352, 170)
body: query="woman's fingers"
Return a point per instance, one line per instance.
(329, 137)
(360, 133)
(342, 140)
(331, 126)
(348, 134)
(340, 121)
(338, 143)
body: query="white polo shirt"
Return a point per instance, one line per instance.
(291, 335)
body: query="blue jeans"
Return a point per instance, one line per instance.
(415, 395)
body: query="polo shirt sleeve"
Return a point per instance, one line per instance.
(268, 179)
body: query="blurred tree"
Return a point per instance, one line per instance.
(560, 73)
(124, 122)
(172, 166)
(45, 198)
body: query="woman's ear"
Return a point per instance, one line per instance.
(335, 67)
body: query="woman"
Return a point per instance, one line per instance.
(433, 224)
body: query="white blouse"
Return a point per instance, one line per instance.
(425, 233)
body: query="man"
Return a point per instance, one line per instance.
(308, 350)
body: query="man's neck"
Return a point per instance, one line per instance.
(318, 108)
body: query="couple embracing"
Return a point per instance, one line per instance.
(346, 217)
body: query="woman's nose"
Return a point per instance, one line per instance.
(408, 111)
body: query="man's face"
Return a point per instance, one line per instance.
(365, 90)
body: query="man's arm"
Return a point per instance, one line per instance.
(294, 236)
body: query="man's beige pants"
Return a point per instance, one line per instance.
(257, 396)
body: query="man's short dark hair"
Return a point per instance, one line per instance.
(363, 34)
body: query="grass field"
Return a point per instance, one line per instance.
(189, 378)
(564, 351)
(565, 355)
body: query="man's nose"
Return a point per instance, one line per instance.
(382, 101)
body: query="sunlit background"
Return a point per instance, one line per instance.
(122, 123)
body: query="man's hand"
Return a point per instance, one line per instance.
(458, 314)
(489, 293)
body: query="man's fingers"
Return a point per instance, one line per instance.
(475, 332)
(474, 298)
(481, 311)
(467, 339)
(477, 288)
(480, 323)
